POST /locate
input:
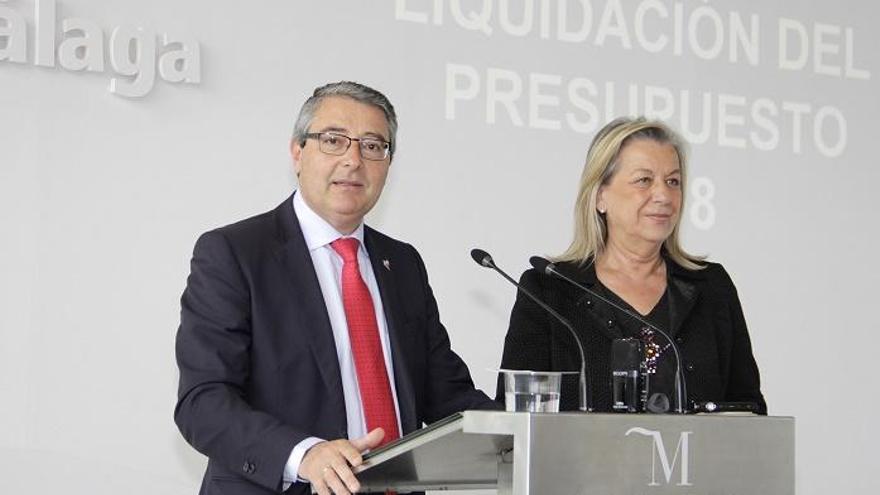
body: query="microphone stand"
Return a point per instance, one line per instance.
(584, 380)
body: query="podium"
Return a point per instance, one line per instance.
(580, 454)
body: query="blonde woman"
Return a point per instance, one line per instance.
(626, 247)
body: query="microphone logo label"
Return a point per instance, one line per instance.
(680, 457)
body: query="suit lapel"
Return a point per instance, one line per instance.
(383, 263)
(313, 325)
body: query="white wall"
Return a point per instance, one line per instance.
(102, 196)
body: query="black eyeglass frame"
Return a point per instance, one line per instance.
(317, 136)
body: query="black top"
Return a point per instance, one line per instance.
(658, 359)
(703, 315)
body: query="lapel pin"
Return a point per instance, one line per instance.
(386, 264)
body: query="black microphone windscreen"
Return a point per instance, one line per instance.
(540, 263)
(658, 403)
(481, 257)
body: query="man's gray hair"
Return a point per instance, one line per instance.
(355, 91)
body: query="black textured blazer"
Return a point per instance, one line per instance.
(706, 321)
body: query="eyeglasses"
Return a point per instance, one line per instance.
(337, 144)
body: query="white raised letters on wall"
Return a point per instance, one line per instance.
(710, 34)
(133, 51)
(583, 104)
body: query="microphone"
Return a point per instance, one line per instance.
(626, 360)
(485, 260)
(549, 268)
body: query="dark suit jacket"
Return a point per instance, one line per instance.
(258, 364)
(707, 324)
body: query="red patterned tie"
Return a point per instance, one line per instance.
(363, 331)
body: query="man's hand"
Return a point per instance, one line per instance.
(327, 465)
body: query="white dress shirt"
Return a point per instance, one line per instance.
(318, 235)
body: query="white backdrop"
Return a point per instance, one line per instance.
(102, 195)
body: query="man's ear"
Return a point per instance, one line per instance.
(296, 151)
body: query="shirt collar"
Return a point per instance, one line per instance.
(316, 231)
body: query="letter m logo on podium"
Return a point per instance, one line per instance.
(659, 451)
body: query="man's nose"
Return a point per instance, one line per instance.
(353, 155)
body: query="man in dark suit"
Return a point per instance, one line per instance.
(306, 337)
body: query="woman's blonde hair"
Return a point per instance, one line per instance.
(590, 227)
